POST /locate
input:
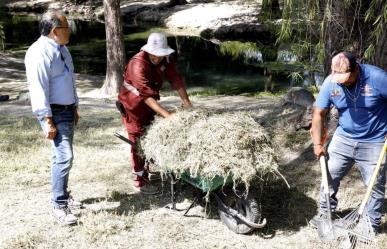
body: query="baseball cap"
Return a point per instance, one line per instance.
(343, 64)
(157, 45)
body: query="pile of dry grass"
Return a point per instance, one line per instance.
(208, 145)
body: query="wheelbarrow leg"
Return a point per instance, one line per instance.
(191, 206)
(173, 192)
(173, 182)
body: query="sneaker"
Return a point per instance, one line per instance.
(64, 215)
(147, 189)
(74, 204)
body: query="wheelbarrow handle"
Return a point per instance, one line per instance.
(124, 139)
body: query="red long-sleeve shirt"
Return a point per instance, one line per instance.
(147, 79)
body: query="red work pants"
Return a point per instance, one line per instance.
(137, 162)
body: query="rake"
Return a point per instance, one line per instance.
(357, 231)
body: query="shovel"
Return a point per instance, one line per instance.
(325, 228)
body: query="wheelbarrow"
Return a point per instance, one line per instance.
(239, 212)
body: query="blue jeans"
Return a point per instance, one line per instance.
(343, 153)
(62, 158)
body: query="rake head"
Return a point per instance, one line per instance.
(356, 231)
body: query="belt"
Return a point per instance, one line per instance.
(131, 88)
(63, 107)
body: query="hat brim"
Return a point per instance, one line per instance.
(341, 77)
(158, 51)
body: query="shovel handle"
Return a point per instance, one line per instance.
(324, 174)
(373, 179)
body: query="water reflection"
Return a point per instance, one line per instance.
(208, 68)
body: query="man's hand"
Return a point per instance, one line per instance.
(184, 98)
(319, 150)
(186, 104)
(76, 116)
(51, 129)
(168, 115)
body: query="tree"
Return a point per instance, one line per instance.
(115, 50)
(2, 37)
(317, 29)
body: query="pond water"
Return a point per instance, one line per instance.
(207, 67)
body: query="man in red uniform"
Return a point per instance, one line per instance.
(139, 94)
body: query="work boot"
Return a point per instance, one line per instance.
(64, 215)
(143, 185)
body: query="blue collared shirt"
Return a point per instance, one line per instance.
(362, 108)
(50, 76)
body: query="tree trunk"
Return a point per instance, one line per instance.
(380, 58)
(115, 50)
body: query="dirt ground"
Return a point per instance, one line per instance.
(115, 216)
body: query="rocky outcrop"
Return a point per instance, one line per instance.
(300, 99)
(211, 18)
(84, 9)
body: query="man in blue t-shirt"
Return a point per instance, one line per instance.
(359, 93)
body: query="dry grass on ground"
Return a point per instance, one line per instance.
(117, 217)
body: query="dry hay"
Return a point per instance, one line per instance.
(208, 145)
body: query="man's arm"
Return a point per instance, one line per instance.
(318, 130)
(155, 106)
(37, 71)
(184, 97)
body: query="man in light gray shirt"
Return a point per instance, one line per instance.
(54, 101)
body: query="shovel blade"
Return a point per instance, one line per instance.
(326, 231)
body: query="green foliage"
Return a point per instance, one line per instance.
(296, 77)
(237, 49)
(2, 37)
(315, 29)
(376, 17)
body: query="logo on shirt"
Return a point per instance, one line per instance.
(335, 92)
(366, 90)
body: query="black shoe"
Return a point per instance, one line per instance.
(4, 97)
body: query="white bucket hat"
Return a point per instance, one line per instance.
(157, 45)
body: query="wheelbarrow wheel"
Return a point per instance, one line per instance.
(248, 207)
